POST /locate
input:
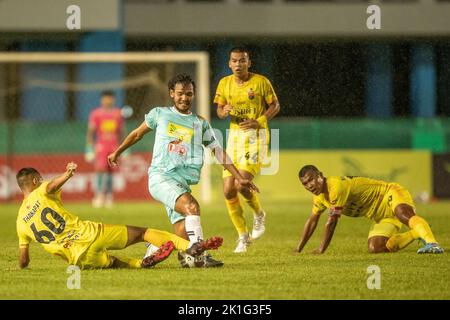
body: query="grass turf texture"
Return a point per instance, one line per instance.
(269, 270)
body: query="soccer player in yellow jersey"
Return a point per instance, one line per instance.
(43, 218)
(389, 205)
(249, 100)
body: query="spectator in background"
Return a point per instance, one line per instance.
(105, 130)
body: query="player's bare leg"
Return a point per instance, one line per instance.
(377, 244)
(259, 216)
(180, 230)
(419, 228)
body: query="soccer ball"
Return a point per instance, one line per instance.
(188, 261)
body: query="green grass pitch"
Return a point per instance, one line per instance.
(269, 270)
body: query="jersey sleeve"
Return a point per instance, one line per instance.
(220, 98)
(318, 206)
(151, 118)
(339, 190)
(269, 93)
(209, 138)
(24, 240)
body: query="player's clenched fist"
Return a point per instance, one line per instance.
(112, 159)
(71, 167)
(227, 109)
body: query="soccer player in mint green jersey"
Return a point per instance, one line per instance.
(180, 136)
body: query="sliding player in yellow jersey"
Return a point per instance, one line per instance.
(43, 218)
(250, 102)
(389, 205)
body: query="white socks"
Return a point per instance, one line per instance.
(151, 249)
(193, 229)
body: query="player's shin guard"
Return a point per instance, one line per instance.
(158, 237)
(193, 229)
(237, 215)
(254, 203)
(421, 229)
(399, 240)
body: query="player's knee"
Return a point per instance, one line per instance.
(377, 246)
(243, 190)
(373, 248)
(404, 212)
(229, 193)
(192, 208)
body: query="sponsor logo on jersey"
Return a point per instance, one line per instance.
(251, 94)
(180, 132)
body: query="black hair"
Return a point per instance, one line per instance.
(308, 168)
(182, 78)
(108, 93)
(22, 175)
(240, 50)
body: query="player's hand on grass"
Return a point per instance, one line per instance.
(71, 167)
(249, 124)
(112, 159)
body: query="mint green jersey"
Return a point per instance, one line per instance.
(179, 142)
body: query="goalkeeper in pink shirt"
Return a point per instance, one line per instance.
(105, 130)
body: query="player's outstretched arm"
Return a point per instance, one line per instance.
(330, 226)
(24, 257)
(227, 163)
(134, 136)
(57, 183)
(308, 231)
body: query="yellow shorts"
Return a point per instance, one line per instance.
(246, 158)
(385, 228)
(251, 168)
(386, 223)
(395, 196)
(110, 237)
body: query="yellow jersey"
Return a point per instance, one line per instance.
(249, 99)
(42, 218)
(357, 196)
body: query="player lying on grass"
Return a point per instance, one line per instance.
(43, 218)
(389, 205)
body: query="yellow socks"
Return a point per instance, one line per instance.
(158, 237)
(421, 228)
(254, 203)
(237, 215)
(127, 263)
(399, 241)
